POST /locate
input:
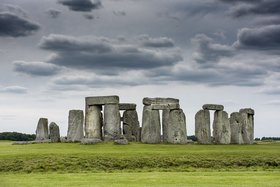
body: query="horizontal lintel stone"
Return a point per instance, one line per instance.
(127, 106)
(213, 107)
(102, 100)
(247, 110)
(170, 106)
(159, 100)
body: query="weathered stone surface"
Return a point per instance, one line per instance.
(247, 110)
(221, 128)
(75, 126)
(202, 127)
(42, 132)
(22, 142)
(236, 128)
(54, 132)
(102, 100)
(89, 141)
(158, 100)
(165, 121)
(41, 141)
(171, 106)
(213, 107)
(176, 127)
(112, 123)
(93, 122)
(63, 139)
(121, 141)
(131, 125)
(247, 121)
(127, 106)
(150, 126)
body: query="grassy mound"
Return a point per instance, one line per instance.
(136, 157)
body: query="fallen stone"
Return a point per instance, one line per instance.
(158, 100)
(22, 143)
(127, 106)
(102, 100)
(213, 107)
(90, 141)
(54, 132)
(121, 141)
(150, 126)
(202, 127)
(112, 122)
(221, 128)
(41, 141)
(247, 110)
(75, 131)
(93, 122)
(171, 106)
(42, 131)
(236, 128)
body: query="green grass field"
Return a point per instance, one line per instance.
(106, 164)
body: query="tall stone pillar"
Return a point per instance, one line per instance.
(236, 128)
(42, 132)
(150, 126)
(202, 127)
(165, 121)
(131, 125)
(93, 122)
(75, 126)
(176, 130)
(54, 132)
(111, 122)
(221, 128)
(247, 120)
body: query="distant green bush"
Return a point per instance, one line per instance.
(270, 138)
(16, 136)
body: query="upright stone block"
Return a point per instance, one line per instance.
(165, 121)
(150, 126)
(93, 122)
(221, 128)
(176, 127)
(131, 125)
(42, 129)
(213, 107)
(111, 122)
(54, 132)
(236, 128)
(159, 100)
(247, 120)
(202, 127)
(75, 131)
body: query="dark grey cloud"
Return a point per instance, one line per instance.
(36, 68)
(156, 42)
(207, 51)
(81, 5)
(13, 90)
(268, 20)
(53, 13)
(263, 38)
(15, 26)
(119, 13)
(240, 1)
(106, 55)
(264, 7)
(89, 16)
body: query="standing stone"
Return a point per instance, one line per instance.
(176, 127)
(247, 120)
(202, 127)
(150, 126)
(75, 126)
(54, 132)
(131, 125)
(236, 128)
(42, 129)
(165, 121)
(221, 128)
(111, 122)
(93, 122)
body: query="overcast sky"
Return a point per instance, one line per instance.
(53, 53)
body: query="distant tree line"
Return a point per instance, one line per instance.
(270, 138)
(16, 136)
